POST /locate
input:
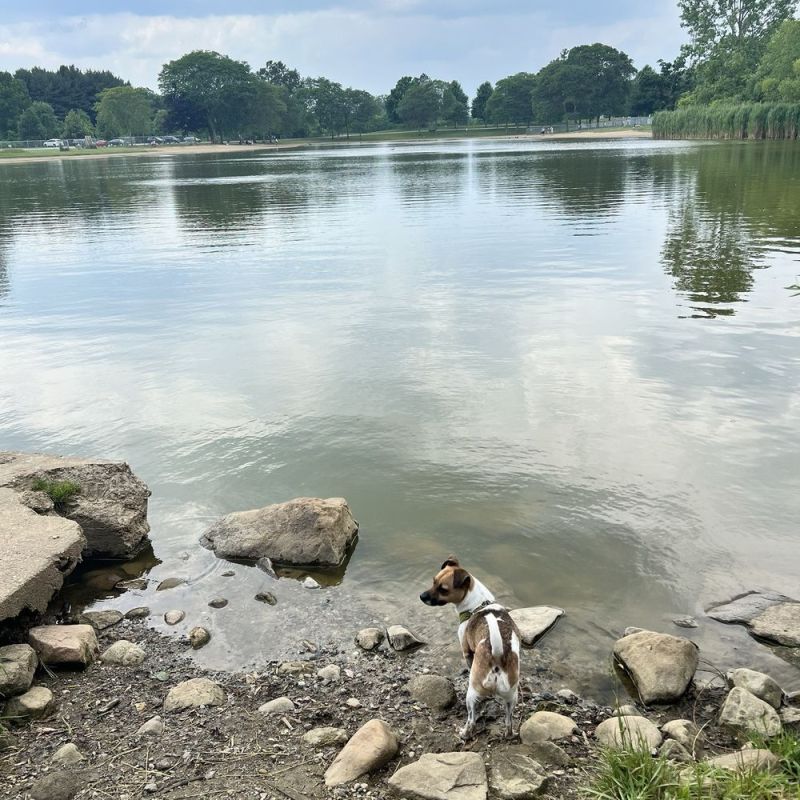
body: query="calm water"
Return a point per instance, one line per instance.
(577, 366)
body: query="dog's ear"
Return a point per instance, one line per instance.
(461, 578)
(450, 561)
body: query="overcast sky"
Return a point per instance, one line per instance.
(367, 44)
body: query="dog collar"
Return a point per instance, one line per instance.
(465, 615)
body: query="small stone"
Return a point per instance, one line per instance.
(153, 727)
(516, 776)
(622, 733)
(353, 702)
(140, 612)
(310, 583)
(687, 734)
(745, 713)
(229, 573)
(626, 711)
(170, 583)
(568, 696)
(150, 788)
(433, 691)
(442, 776)
(199, 637)
(370, 638)
(100, 620)
(174, 617)
(37, 501)
(194, 693)
(401, 638)
(746, 761)
(131, 583)
(265, 565)
(59, 785)
(295, 667)
(36, 703)
(685, 622)
(370, 747)
(546, 726)
(67, 754)
(64, 644)
(267, 597)
(325, 737)
(675, 751)
(124, 653)
(329, 674)
(17, 667)
(280, 705)
(218, 602)
(759, 684)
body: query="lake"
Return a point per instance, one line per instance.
(576, 365)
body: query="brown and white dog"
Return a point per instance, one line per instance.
(488, 636)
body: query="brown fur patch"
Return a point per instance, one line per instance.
(476, 644)
(450, 585)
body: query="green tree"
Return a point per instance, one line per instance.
(124, 111)
(37, 121)
(778, 74)
(361, 110)
(325, 101)
(511, 99)
(77, 124)
(14, 99)
(479, 102)
(278, 74)
(457, 108)
(420, 105)
(206, 90)
(396, 95)
(267, 110)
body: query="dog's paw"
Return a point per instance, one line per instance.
(465, 733)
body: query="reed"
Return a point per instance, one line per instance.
(740, 121)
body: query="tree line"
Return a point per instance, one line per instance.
(739, 50)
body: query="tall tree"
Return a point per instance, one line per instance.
(396, 95)
(208, 90)
(778, 75)
(511, 99)
(124, 111)
(457, 107)
(37, 121)
(361, 110)
(479, 102)
(420, 105)
(268, 109)
(14, 99)
(278, 74)
(77, 124)
(325, 100)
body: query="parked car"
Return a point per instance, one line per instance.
(53, 143)
(116, 142)
(101, 143)
(171, 140)
(191, 139)
(155, 140)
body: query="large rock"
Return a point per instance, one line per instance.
(369, 748)
(194, 693)
(110, 506)
(779, 623)
(746, 761)
(60, 785)
(36, 552)
(628, 733)
(433, 691)
(17, 666)
(442, 776)
(516, 776)
(759, 684)
(745, 713)
(661, 666)
(124, 654)
(546, 726)
(37, 702)
(535, 621)
(304, 531)
(73, 645)
(744, 608)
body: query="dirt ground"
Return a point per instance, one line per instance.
(233, 751)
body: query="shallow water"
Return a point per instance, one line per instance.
(574, 365)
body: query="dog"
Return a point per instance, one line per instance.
(490, 640)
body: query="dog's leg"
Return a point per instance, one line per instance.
(472, 705)
(511, 703)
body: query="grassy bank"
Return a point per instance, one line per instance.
(742, 121)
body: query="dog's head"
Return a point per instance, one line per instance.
(450, 584)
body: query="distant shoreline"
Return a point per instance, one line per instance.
(202, 149)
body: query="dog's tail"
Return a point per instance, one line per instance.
(497, 679)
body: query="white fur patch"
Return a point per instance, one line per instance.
(494, 635)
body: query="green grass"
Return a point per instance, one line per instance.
(60, 492)
(636, 775)
(741, 121)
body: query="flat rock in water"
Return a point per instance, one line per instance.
(304, 531)
(401, 638)
(759, 684)
(74, 645)
(280, 705)
(780, 623)
(36, 703)
(685, 622)
(170, 583)
(433, 691)
(17, 667)
(546, 726)
(515, 776)
(124, 654)
(140, 612)
(442, 776)
(370, 747)
(746, 761)
(194, 693)
(267, 597)
(100, 620)
(218, 602)
(370, 638)
(745, 713)
(661, 666)
(325, 737)
(745, 607)
(535, 621)
(622, 733)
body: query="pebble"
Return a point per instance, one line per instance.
(229, 573)
(685, 622)
(153, 727)
(353, 702)
(138, 613)
(329, 674)
(170, 583)
(218, 602)
(310, 583)
(174, 617)
(267, 597)
(199, 637)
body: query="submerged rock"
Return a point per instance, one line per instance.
(174, 617)
(304, 531)
(745, 607)
(100, 620)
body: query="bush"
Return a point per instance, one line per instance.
(741, 121)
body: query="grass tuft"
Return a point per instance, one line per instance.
(60, 492)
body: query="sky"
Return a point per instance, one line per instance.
(367, 44)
